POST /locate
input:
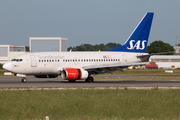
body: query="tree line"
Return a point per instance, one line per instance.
(155, 47)
(89, 47)
(159, 46)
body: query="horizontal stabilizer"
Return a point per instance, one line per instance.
(148, 55)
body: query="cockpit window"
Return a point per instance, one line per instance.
(13, 60)
(17, 60)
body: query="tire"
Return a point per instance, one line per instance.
(24, 80)
(72, 81)
(90, 79)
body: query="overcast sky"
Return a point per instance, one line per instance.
(86, 21)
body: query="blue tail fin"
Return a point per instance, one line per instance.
(137, 41)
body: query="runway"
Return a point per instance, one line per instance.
(15, 82)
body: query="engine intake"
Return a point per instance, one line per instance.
(74, 74)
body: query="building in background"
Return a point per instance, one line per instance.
(7, 52)
(177, 50)
(177, 47)
(47, 44)
(166, 61)
(36, 44)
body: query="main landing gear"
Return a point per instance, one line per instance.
(89, 79)
(24, 79)
(72, 81)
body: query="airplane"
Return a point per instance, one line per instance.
(74, 65)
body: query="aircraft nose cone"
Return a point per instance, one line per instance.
(7, 66)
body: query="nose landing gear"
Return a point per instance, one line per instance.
(24, 79)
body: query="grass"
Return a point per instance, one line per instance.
(1, 73)
(1, 66)
(145, 72)
(95, 104)
(90, 104)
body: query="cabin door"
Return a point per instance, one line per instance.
(33, 61)
(124, 58)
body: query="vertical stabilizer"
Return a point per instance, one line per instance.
(137, 41)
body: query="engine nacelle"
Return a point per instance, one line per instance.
(74, 74)
(45, 76)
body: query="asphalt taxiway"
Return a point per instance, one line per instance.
(15, 82)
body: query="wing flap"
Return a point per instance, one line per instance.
(112, 67)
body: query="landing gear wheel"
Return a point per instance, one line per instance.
(90, 79)
(72, 81)
(24, 80)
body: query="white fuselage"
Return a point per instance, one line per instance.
(54, 62)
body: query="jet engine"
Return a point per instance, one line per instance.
(74, 74)
(45, 76)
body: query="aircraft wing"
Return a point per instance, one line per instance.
(109, 68)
